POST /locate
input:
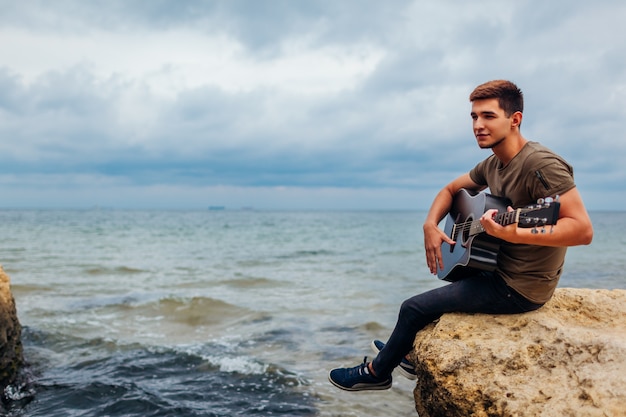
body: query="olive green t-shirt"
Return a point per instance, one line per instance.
(535, 172)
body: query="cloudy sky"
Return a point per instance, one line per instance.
(287, 104)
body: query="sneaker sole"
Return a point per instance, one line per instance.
(362, 387)
(400, 369)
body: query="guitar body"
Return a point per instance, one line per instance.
(471, 253)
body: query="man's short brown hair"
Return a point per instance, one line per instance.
(510, 97)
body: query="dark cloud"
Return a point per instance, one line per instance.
(260, 25)
(402, 124)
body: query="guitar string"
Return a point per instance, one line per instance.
(467, 225)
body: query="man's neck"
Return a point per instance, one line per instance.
(508, 148)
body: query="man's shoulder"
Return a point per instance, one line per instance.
(538, 153)
(537, 148)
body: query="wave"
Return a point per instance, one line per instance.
(193, 311)
(21, 289)
(71, 376)
(119, 270)
(188, 311)
(306, 254)
(250, 282)
(140, 317)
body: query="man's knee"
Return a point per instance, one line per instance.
(418, 311)
(410, 309)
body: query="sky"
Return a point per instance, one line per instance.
(286, 104)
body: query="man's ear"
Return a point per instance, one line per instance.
(516, 119)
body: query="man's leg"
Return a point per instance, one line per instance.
(484, 293)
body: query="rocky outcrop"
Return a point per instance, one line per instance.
(11, 357)
(566, 359)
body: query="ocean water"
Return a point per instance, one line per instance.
(223, 313)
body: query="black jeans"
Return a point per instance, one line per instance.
(483, 293)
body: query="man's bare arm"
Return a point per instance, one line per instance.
(433, 235)
(573, 226)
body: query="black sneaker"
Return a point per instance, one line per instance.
(406, 368)
(358, 378)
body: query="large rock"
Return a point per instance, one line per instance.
(11, 357)
(566, 359)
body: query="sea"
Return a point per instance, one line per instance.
(223, 312)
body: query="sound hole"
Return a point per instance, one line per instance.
(465, 233)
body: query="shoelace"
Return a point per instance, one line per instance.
(362, 369)
(359, 370)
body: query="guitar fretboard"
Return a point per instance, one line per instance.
(474, 227)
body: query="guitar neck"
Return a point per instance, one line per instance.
(474, 227)
(508, 218)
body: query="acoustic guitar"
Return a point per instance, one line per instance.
(475, 250)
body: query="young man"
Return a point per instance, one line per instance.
(529, 264)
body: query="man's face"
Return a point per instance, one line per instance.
(490, 123)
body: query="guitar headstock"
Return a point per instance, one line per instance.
(544, 213)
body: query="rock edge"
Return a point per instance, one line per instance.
(566, 359)
(11, 350)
